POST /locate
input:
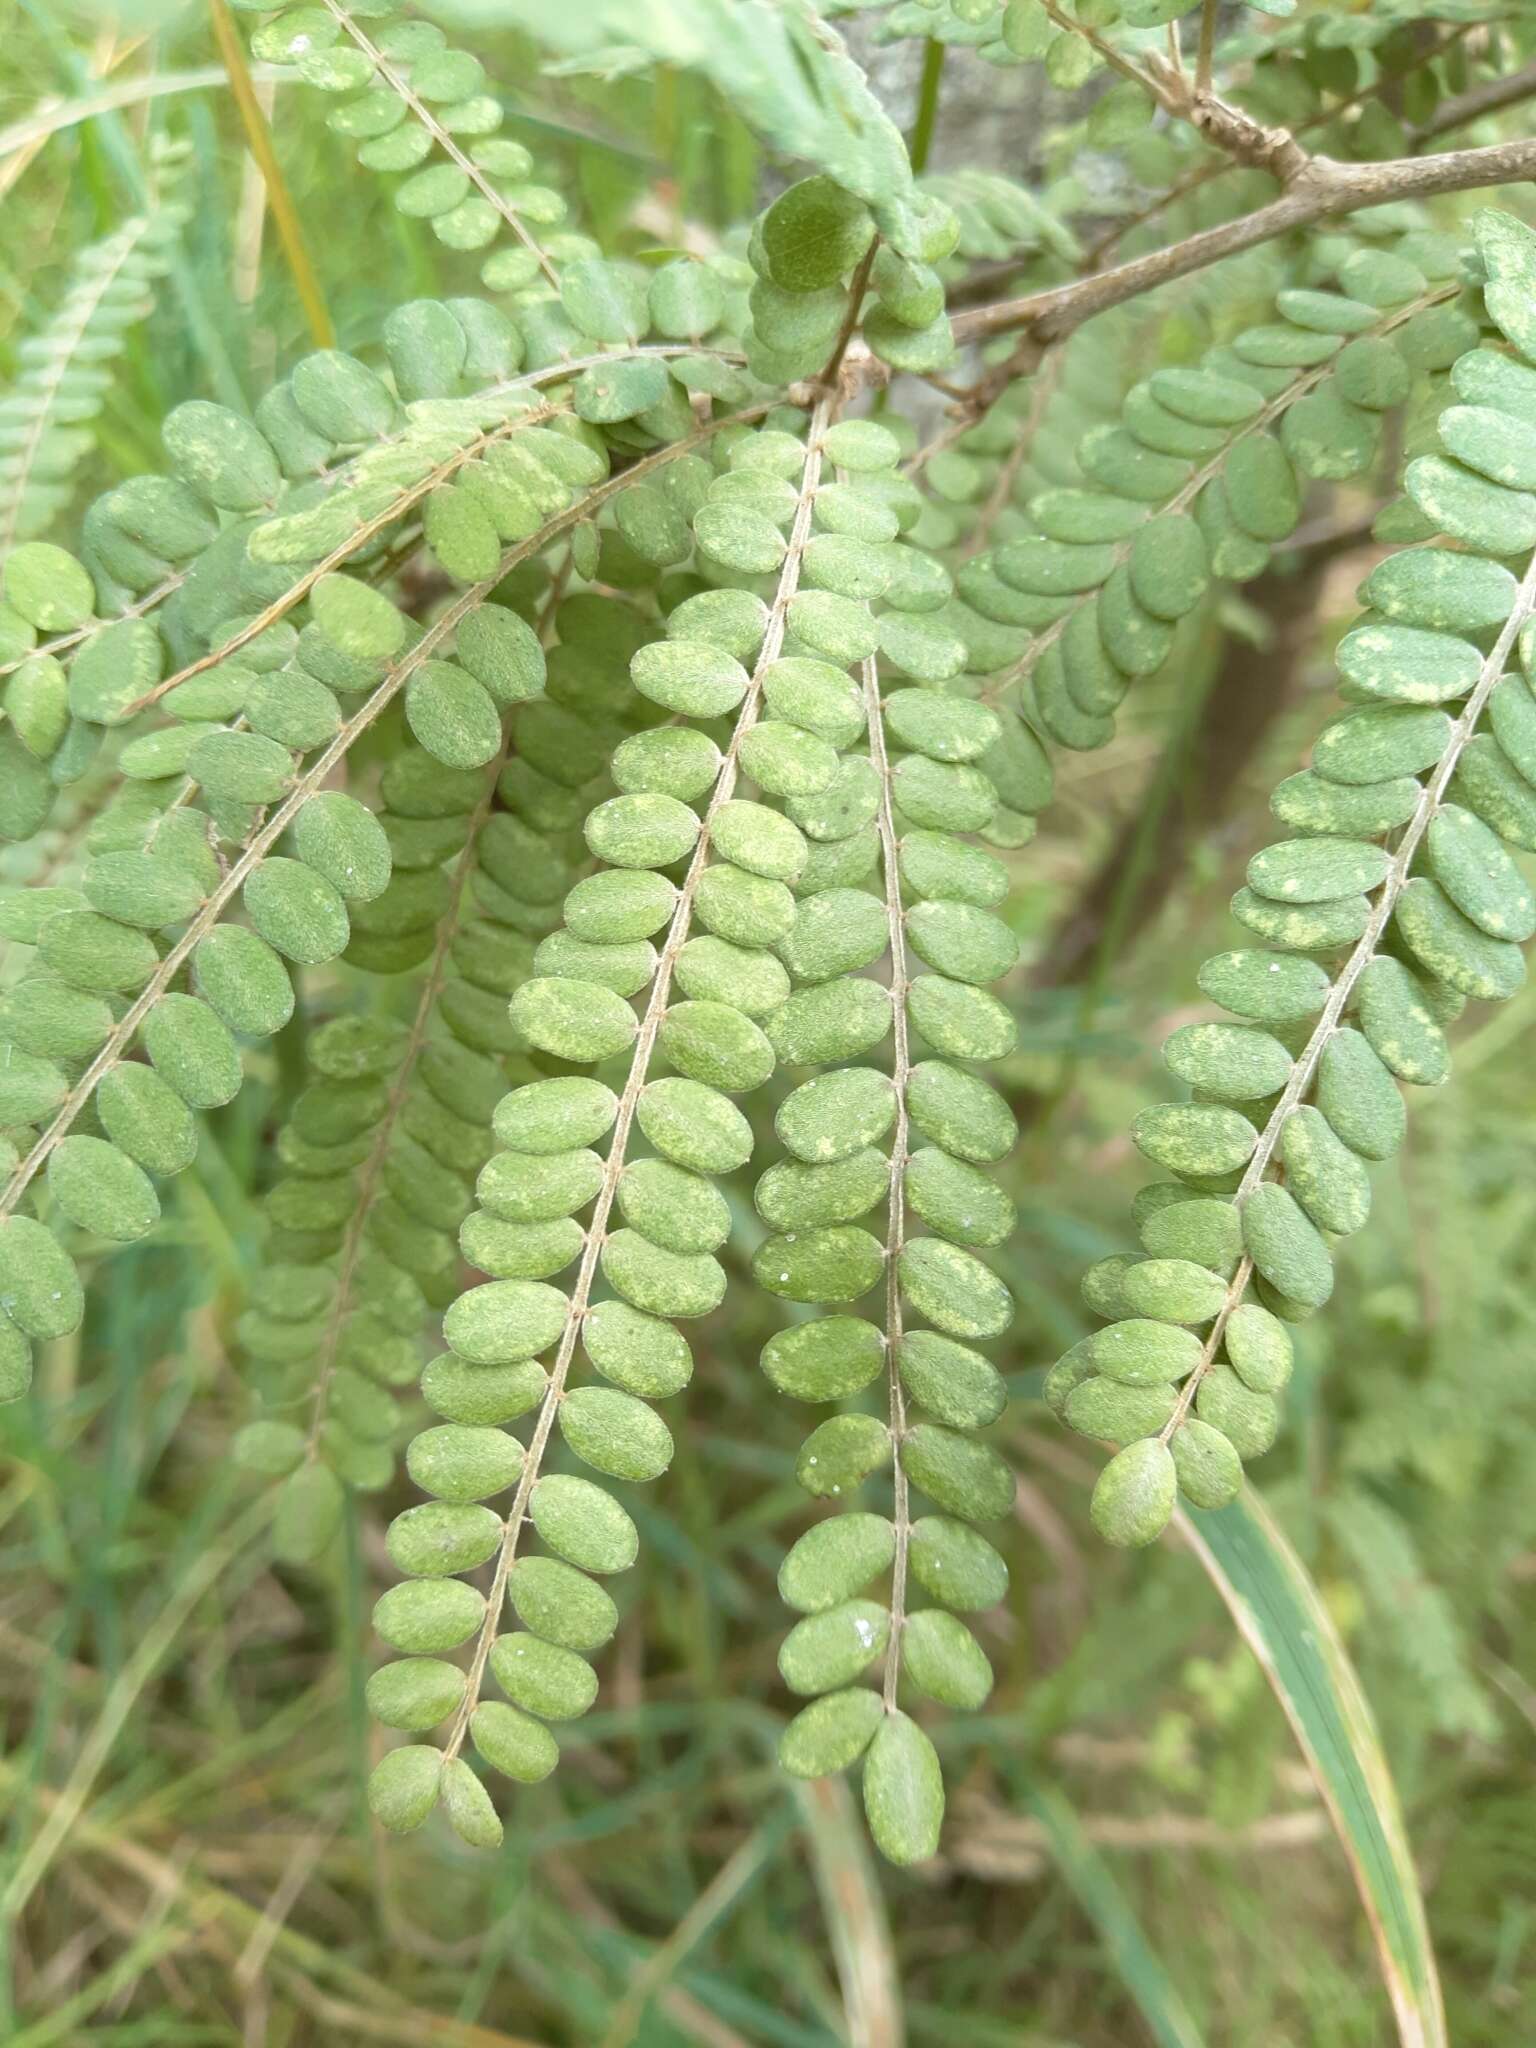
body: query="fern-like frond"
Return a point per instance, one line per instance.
(384, 1147)
(922, 781)
(1203, 476)
(1421, 1624)
(154, 871)
(404, 97)
(64, 370)
(693, 853)
(1404, 812)
(659, 1263)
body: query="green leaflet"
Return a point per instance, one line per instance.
(903, 1791)
(39, 1290)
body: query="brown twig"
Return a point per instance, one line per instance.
(1319, 189)
(1219, 167)
(1116, 59)
(832, 369)
(1487, 98)
(1207, 46)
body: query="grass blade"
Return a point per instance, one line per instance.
(856, 1920)
(21, 141)
(1281, 1615)
(1094, 1886)
(258, 140)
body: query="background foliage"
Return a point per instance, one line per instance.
(1134, 1848)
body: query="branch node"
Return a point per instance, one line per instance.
(1246, 140)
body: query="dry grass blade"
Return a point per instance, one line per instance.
(258, 136)
(857, 1925)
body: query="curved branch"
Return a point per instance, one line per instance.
(1492, 95)
(1323, 188)
(1452, 114)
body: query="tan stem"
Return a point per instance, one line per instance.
(1207, 45)
(258, 137)
(1203, 175)
(896, 1208)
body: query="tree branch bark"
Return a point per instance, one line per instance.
(1321, 188)
(1477, 100)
